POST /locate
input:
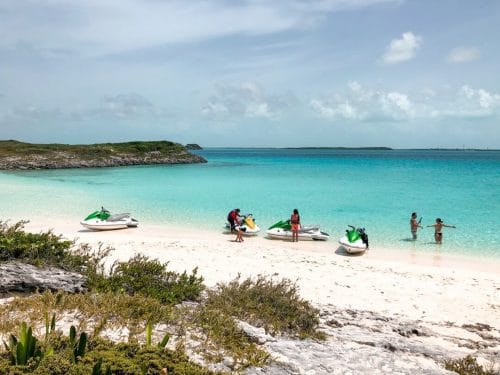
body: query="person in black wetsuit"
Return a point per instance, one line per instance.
(364, 236)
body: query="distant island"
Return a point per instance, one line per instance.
(338, 148)
(15, 155)
(193, 146)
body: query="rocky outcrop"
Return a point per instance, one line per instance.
(193, 146)
(18, 277)
(22, 156)
(64, 160)
(363, 342)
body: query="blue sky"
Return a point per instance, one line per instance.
(256, 73)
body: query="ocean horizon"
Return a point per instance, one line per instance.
(377, 189)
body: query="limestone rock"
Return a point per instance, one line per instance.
(18, 277)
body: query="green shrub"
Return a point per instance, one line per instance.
(150, 278)
(44, 247)
(56, 364)
(467, 366)
(276, 306)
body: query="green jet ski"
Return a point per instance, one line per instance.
(355, 240)
(104, 220)
(283, 230)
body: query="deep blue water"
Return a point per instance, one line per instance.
(374, 189)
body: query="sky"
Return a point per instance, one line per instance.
(252, 73)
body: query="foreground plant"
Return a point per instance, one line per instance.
(22, 350)
(78, 346)
(79, 355)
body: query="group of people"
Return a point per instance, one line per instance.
(236, 221)
(438, 228)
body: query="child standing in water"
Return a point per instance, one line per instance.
(438, 227)
(295, 222)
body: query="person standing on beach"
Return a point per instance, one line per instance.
(414, 225)
(233, 218)
(295, 223)
(235, 221)
(438, 227)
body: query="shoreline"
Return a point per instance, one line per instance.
(415, 286)
(71, 229)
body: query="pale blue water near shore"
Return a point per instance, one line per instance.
(374, 189)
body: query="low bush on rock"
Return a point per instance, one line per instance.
(48, 249)
(223, 336)
(150, 278)
(274, 305)
(35, 248)
(468, 366)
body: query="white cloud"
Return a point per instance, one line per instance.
(481, 97)
(355, 86)
(322, 109)
(246, 100)
(214, 109)
(97, 27)
(340, 110)
(403, 49)
(125, 105)
(363, 105)
(400, 100)
(463, 54)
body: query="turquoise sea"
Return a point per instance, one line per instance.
(375, 189)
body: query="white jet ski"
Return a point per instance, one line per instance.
(283, 230)
(250, 228)
(355, 241)
(104, 220)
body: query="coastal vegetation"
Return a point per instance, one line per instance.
(19, 155)
(274, 305)
(131, 305)
(468, 366)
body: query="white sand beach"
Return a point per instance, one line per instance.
(386, 311)
(421, 286)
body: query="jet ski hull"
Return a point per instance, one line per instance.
(103, 220)
(355, 247)
(284, 234)
(96, 224)
(248, 232)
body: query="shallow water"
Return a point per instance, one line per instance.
(377, 190)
